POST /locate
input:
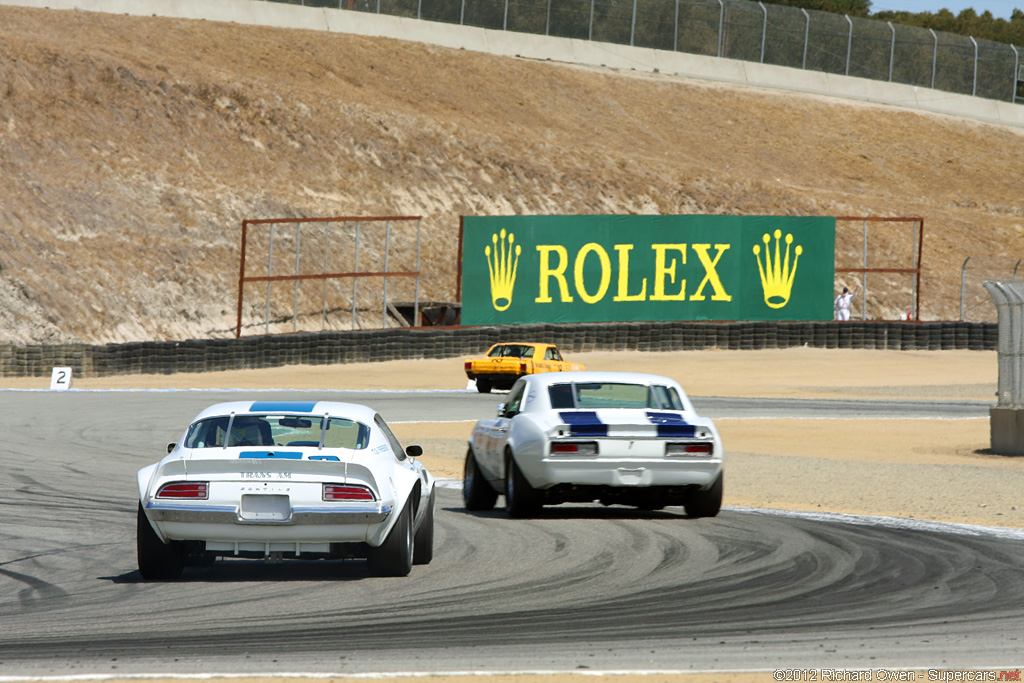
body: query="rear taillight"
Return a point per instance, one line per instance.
(194, 490)
(699, 448)
(522, 368)
(469, 366)
(575, 448)
(347, 492)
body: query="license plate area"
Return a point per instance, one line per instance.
(265, 508)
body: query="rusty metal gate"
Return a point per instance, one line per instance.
(371, 247)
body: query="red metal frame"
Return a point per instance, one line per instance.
(910, 271)
(242, 279)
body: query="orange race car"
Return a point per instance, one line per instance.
(508, 361)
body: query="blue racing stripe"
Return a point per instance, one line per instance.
(584, 423)
(283, 406)
(275, 455)
(671, 424)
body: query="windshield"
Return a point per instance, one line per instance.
(614, 395)
(278, 430)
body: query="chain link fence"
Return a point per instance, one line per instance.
(743, 30)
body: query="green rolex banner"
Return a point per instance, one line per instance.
(525, 269)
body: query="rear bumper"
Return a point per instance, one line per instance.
(621, 472)
(228, 514)
(224, 524)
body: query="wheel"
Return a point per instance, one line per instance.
(521, 499)
(705, 503)
(483, 385)
(394, 556)
(477, 494)
(158, 561)
(423, 542)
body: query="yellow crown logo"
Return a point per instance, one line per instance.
(776, 277)
(503, 269)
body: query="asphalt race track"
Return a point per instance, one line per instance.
(582, 587)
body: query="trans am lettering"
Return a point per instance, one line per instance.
(265, 475)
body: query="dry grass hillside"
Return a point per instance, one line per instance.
(132, 148)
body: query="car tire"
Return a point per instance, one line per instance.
(394, 556)
(705, 503)
(158, 561)
(483, 385)
(423, 542)
(521, 499)
(477, 494)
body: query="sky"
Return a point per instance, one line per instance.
(1000, 9)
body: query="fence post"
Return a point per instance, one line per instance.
(504, 21)
(892, 49)
(963, 280)
(974, 88)
(935, 55)
(416, 306)
(295, 301)
(590, 34)
(721, 25)
(270, 265)
(764, 29)
(355, 283)
(462, 14)
(849, 42)
(387, 253)
(807, 36)
(1016, 70)
(632, 25)
(547, 22)
(675, 41)
(864, 278)
(323, 304)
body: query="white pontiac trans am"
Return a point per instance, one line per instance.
(614, 437)
(276, 479)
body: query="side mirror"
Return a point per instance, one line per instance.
(170, 446)
(501, 410)
(414, 451)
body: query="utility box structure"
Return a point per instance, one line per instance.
(1006, 418)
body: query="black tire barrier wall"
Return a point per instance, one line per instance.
(206, 355)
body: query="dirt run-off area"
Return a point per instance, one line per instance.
(131, 148)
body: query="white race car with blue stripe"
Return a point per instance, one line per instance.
(614, 437)
(279, 479)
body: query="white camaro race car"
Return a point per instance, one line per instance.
(613, 437)
(286, 479)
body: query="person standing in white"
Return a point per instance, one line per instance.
(842, 305)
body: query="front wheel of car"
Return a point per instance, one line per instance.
(158, 561)
(394, 556)
(477, 494)
(423, 541)
(705, 503)
(521, 499)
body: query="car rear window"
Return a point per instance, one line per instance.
(613, 395)
(278, 430)
(511, 351)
